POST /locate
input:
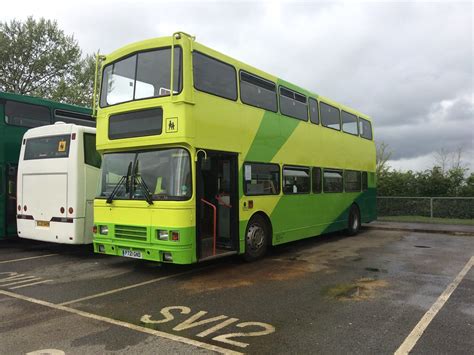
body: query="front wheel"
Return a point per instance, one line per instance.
(353, 223)
(256, 238)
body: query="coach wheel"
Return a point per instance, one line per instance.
(256, 238)
(353, 223)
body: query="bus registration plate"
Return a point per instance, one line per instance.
(42, 223)
(131, 254)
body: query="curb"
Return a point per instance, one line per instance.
(419, 230)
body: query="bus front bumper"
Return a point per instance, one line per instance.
(176, 254)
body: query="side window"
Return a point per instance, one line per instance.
(258, 92)
(365, 128)
(349, 123)
(330, 116)
(365, 182)
(293, 104)
(352, 181)
(316, 180)
(333, 180)
(261, 179)
(296, 180)
(74, 117)
(214, 77)
(91, 156)
(26, 115)
(313, 110)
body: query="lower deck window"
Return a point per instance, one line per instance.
(296, 180)
(333, 180)
(352, 181)
(261, 179)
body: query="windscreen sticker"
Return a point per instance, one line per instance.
(62, 146)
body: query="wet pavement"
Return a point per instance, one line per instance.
(328, 294)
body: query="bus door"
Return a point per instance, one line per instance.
(12, 172)
(217, 204)
(3, 203)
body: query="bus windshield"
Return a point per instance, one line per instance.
(164, 173)
(140, 76)
(47, 147)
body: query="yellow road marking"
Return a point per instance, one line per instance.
(138, 328)
(417, 332)
(30, 258)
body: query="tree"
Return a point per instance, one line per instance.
(383, 155)
(38, 58)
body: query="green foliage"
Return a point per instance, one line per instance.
(432, 183)
(38, 58)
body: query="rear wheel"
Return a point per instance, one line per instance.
(353, 223)
(256, 238)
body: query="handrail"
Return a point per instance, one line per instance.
(214, 226)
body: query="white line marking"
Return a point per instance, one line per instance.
(30, 258)
(29, 279)
(417, 332)
(34, 283)
(130, 286)
(138, 328)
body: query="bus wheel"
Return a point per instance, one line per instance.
(256, 238)
(353, 223)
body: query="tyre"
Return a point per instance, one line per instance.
(353, 223)
(256, 238)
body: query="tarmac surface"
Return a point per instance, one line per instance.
(372, 293)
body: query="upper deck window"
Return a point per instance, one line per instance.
(26, 115)
(365, 128)
(349, 123)
(330, 116)
(214, 77)
(293, 104)
(140, 76)
(258, 92)
(47, 147)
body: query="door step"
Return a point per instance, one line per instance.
(219, 255)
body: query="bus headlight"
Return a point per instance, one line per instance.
(162, 235)
(104, 230)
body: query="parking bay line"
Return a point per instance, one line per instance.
(29, 258)
(105, 293)
(417, 332)
(138, 328)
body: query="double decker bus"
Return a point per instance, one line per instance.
(205, 156)
(18, 113)
(58, 172)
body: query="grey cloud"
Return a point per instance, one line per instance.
(395, 61)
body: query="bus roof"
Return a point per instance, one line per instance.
(57, 128)
(45, 102)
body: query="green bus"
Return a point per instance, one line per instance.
(205, 156)
(18, 113)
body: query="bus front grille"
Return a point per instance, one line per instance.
(130, 232)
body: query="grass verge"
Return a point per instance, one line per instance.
(422, 219)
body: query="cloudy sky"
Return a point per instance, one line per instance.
(408, 64)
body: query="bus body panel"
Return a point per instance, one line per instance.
(57, 192)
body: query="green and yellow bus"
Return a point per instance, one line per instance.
(18, 113)
(205, 156)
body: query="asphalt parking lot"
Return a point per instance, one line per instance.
(332, 294)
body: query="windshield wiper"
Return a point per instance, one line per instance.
(126, 179)
(137, 179)
(148, 196)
